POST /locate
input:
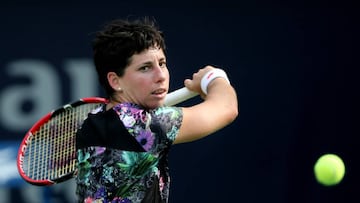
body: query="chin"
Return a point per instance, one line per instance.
(155, 105)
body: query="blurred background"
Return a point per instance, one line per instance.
(295, 67)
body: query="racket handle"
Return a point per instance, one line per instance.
(179, 96)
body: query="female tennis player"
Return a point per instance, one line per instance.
(122, 147)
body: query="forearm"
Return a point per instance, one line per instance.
(219, 108)
(222, 97)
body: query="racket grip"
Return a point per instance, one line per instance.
(179, 96)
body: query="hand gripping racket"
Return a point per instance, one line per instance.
(47, 154)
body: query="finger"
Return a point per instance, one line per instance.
(188, 83)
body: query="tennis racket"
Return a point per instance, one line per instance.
(47, 154)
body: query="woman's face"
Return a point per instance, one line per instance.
(146, 79)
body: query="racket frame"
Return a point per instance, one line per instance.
(36, 127)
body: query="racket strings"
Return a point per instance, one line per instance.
(50, 152)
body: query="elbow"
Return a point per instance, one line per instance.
(233, 107)
(232, 113)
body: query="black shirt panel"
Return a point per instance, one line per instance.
(107, 130)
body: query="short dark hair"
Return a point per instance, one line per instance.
(118, 41)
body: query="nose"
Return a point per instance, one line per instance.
(160, 73)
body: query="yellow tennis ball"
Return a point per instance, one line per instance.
(329, 169)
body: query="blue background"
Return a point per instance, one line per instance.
(294, 67)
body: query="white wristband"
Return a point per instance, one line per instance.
(210, 76)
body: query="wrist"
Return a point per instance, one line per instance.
(210, 76)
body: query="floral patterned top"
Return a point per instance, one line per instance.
(122, 154)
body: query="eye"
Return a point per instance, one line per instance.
(144, 68)
(162, 64)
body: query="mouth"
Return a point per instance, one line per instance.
(159, 92)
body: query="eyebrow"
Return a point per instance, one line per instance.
(145, 63)
(151, 62)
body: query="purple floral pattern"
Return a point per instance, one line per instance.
(114, 175)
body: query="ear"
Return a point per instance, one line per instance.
(114, 81)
